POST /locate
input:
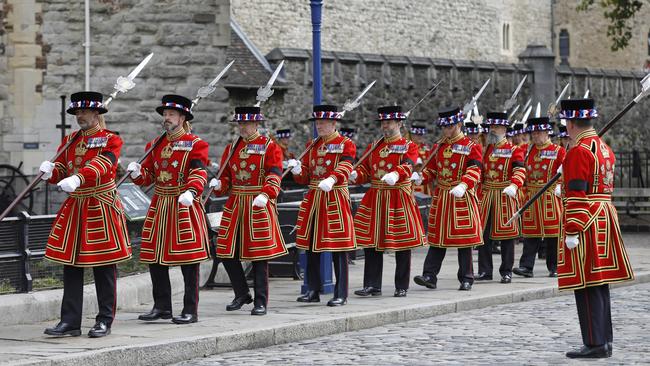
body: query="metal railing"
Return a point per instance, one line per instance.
(632, 168)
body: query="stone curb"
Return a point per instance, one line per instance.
(158, 353)
(41, 306)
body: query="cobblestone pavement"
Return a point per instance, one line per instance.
(535, 332)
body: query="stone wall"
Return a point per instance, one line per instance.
(589, 44)
(404, 80)
(459, 29)
(46, 54)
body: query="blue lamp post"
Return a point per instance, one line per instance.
(326, 258)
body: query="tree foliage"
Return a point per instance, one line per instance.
(620, 14)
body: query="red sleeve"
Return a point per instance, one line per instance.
(364, 170)
(430, 171)
(303, 177)
(103, 163)
(273, 169)
(344, 167)
(147, 174)
(60, 167)
(226, 176)
(577, 175)
(473, 168)
(518, 167)
(197, 177)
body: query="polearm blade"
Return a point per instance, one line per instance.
(645, 91)
(210, 88)
(124, 84)
(559, 98)
(265, 92)
(433, 88)
(586, 94)
(470, 105)
(351, 105)
(513, 99)
(514, 111)
(526, 114)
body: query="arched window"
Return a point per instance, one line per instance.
(564, 47)
(505, 37)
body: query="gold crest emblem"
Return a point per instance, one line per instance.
(81, 149)
(243, 155)
(164, 176)
(166, 152)
(447, 153)
(384, 152)
(243, 175)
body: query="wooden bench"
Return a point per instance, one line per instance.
(632, 201)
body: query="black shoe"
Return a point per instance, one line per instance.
(523, 271)
(310, 296)
(155, 314)
(63, 329)
(259, 310)
(590, 352)
(185, 319)
(483, 277)
(368, 291)
(552, 274)
(465, 286)
(238, 302)
(506, 278)
(496, 249)
(337, 301)
(400, 292)
(426, 281)
(100, 329)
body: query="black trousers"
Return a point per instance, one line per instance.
(532, 246)
(485, 253)
(162, 290)
(73, 290)
(340, 260)
(374, 265)
(237, 277)
(435, 256)
(595, 315)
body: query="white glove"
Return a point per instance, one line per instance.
(69, 184)
(134, 168)
(390, 178)
(215, 184)
(46, 168)
(326, 184)
(260, 200)
(558, 190)
(459, 190)
(419, 161)
(511, 191)
(416, 178)
(559, 170)
(353, 176)
(295, 166)
(571, 241)
(186, 198)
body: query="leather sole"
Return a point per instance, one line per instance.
(71, 333)
(420, 282)
(99, 335)
(233, 308)
(168, 316)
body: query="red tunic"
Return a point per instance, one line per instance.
(542, 218)
(454, 222)
(424, 151)
(255, 168)
(503, 164)
(90, 228)
(325, 218)
(173, 234)
(388, 216)
(600, 257)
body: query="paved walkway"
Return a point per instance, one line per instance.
(133, 342)
(537, 332)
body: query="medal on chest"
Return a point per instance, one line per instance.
(166, 152)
